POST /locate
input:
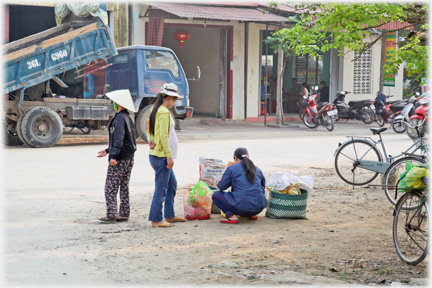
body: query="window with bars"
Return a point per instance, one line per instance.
(309, 69)
(362, 72)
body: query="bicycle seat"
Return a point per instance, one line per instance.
(377, 131)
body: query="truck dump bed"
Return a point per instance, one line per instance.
(39, 57)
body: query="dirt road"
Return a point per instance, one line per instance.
(54, 196)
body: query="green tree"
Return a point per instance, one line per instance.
(351, 26)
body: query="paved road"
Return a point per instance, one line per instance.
(46, 188)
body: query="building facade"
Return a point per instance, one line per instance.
(226, 42)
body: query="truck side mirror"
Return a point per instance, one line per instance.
(198, 75)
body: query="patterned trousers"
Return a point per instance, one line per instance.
(118, 176)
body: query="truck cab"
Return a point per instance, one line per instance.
(143, 70)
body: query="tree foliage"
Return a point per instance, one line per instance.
(352, 26)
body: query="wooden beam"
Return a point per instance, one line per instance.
(50, 42)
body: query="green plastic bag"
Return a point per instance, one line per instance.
(413, 177)
(193, 198)
(401, 184)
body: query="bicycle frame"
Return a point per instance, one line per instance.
(381, 167)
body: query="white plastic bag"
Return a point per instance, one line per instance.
(281, 180)
(79, 9)
(211, 171)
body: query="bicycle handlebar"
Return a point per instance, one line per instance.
(415, 126)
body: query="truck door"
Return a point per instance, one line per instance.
(163, 67)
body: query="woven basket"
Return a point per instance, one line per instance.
(287, 206)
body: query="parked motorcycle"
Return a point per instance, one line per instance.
(314, 115)
(403, 115)
(360, 110)
(420, 118)
(386, 111)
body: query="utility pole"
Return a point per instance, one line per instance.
(279, 87)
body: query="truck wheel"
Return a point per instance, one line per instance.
(19, 129)
(11, 139)
(42, 127)
(177, 124)
(141, 122)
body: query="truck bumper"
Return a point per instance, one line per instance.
(182, 112)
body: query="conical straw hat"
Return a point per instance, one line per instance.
(123, 98)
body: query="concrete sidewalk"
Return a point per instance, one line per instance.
(204, 128)
(189, 127)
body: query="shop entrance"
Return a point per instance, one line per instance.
(304, 68)
(210, 48)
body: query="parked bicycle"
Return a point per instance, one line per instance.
(358, 161)
(411, 225)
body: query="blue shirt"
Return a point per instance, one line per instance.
(244, 195)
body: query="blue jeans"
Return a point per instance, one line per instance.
(219, 199)
(165, 190)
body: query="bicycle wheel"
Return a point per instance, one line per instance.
(347, 162)
(410, 228)
(391, 176)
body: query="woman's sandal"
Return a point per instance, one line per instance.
(163, 225)
(227, 221)
(121, 218)
(175, 219)
(107, 220)
(253, 217)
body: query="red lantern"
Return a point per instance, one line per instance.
(181, 36)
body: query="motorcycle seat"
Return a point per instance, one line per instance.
(397, 107)
(377, 131)
(354, 103)
(395, 102)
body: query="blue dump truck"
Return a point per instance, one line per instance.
(143, 70)
(33, 115)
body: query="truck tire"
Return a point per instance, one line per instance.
(11, 139)
(141, 121)
(19, 129)
(42, 127)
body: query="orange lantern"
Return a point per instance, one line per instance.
(181, 36)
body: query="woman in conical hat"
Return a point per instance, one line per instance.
(163, 149)
(121, 150)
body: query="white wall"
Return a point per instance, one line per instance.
(238, 70)
(348, 75)
(138, 24)
(254, 67)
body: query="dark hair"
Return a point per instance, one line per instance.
(248, 165)
(152, 118)
(294, 79)
(323, 82)
(306, 85)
